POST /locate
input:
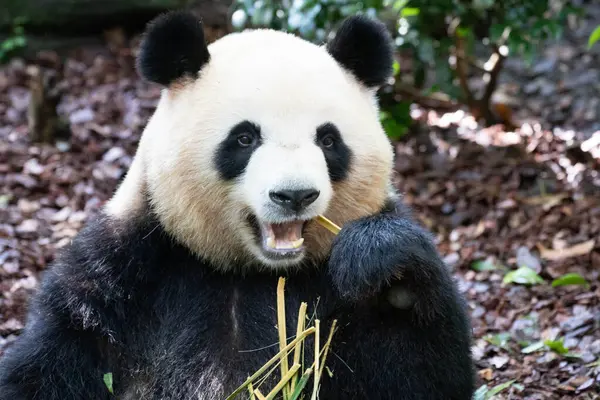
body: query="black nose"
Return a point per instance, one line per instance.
(294, 199)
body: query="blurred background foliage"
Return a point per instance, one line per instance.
(450, 53)
(441, 44)
(14, 41)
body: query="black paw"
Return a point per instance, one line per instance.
(377, 254)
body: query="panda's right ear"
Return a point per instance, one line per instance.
(172, 47)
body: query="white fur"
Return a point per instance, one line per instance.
(287, 86)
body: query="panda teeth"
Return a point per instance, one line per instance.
(284, 245)
(297, 243)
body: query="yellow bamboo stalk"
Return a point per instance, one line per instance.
(259, 395)
(251, 390)
(283, 382)
(316, 382)
(328, 224)
(281, 327)
(276, 357)
(299, 329)
(326, 347)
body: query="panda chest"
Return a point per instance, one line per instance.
(225, 326)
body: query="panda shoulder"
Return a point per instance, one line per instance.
(109, 254)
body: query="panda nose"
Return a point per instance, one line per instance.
(294, 200)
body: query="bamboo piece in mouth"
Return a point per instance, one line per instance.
(327, 224)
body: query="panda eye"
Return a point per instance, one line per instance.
(327, 141)
(245, 140)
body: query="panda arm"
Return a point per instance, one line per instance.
(53, 362)
(402, 308)
(53, 359)
(76, 323)
(389, 254)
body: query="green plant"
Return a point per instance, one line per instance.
(523, 276)
(557, 346)
(570, 279)
(108, 381)
(442, 37)
(594, 37)
(15, 41)
(485, 393)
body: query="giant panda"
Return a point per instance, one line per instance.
(172, 287)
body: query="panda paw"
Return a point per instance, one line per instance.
(381, 254)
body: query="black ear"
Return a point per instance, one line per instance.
(173, 46)
(363, 46)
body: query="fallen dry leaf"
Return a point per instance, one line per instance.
(547, 201)
(573, 251)
(486, 374)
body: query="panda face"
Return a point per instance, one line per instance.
(239, 159)
(284, 175)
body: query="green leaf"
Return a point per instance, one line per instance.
(523, 276)
(108, 381)
(570, 279)
(594, 37)
(482, 4)
(463, 31)
(500, 340)
(396, 119)
(480, 393)
(484, 393)
(532, 348)
(396, 67)
(393, 129)
(399, 4)
(498, 388)
(519, 387)
(409, 12)
(483, 265)
(496, 31)
(300, 386)
(557, 346)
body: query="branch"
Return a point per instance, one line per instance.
(432, 101)
(496, 61)
(470, 60)
(462, 72)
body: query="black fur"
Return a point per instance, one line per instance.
(231, 159)
(338, 156)
(364, 47)
(123, 298)
(173, 46)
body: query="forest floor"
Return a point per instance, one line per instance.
(496, 200)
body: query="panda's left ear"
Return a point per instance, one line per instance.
(172, 47)
(363, 46)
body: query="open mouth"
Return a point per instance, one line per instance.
(284, 237)
(280, 240)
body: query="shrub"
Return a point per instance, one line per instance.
(441, 37)
(15, 41)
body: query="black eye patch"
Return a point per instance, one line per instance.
(233, 154)
(337, 154)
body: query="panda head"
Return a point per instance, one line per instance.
(257, 134)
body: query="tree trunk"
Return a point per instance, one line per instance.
(69, 16)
